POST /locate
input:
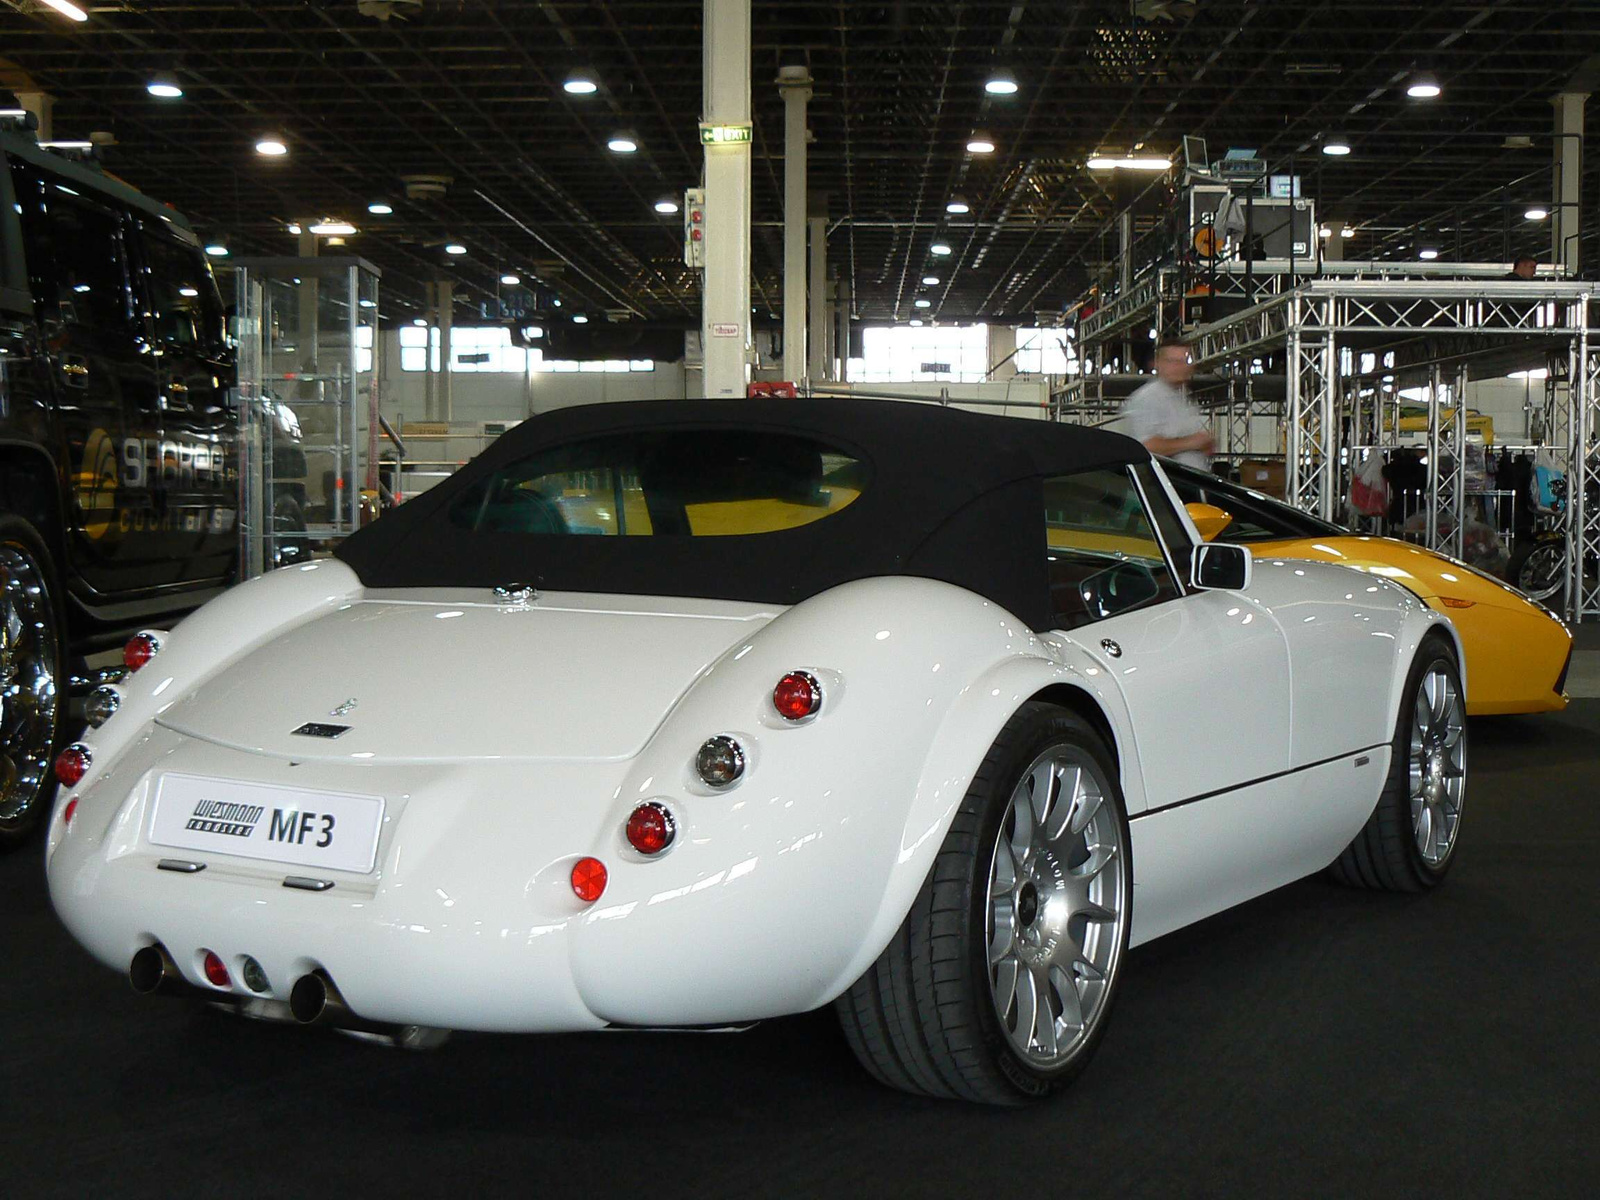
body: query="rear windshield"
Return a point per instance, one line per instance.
(694, 483)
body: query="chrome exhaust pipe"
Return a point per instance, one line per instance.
(316, 1000)
(152, 970)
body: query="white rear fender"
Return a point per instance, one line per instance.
(968, 730)
(206, 642)
(773, 885)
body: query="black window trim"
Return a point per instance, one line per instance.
(1180, 578)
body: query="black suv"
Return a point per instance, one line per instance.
(118, 460)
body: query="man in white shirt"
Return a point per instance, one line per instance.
(1161, 415)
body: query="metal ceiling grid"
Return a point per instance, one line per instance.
(471, 89)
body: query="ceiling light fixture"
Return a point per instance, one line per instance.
(332, 228)
(581, 82)
(455, 248)
(957, 206)
(922, 303)
(164, 88)
(623, 143)
(294, 229)
(939, 249)
(1336, 144)
(1428, 252)
(980, 143)
(379, 209)
(423, 321)
(217, 250)
(930, 280)
(914, 323)
(1423, 86)
(1129, 162)
(579, 319)
(68, 10)
(1347, 232)
(1536, 213)
(272, 145)
(1324, 232)
(510, 280)
(666, 205)
(1001, 83)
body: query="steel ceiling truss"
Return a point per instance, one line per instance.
(472, 88)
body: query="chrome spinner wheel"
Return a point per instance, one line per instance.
(1057, 907)
(1438, 765)
(1542, 574)
(29, 654)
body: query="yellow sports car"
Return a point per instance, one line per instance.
(1517, 651)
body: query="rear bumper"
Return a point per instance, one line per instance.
(469, 920)
(394, 963)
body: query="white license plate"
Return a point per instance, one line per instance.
(335, 830)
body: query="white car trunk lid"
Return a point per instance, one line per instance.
(442, 675)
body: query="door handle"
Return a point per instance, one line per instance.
(75, 370)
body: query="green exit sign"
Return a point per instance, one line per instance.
(723, 135)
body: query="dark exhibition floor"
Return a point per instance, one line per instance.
(1317, 1042)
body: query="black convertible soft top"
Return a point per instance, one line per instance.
(947, 495)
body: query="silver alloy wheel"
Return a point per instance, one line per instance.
(1438, 765)
(1543, 572)
(28, 699)
(1057, 907)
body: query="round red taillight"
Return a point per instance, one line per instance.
(651, 828)
(70, 811)
(141, 648)
(72, 764)
(588, 879)
(215, 971)
(797, 696)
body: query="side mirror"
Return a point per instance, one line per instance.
(1208, 519)
(1220, 568)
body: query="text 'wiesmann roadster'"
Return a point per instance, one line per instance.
(693, 713)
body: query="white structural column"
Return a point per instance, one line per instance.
(817, 306)
(841, 340)
(1567, 184)
(725, 303)
(1003, 350)
(447, 312)
(42, 105)
(1333, 244)
(794, 83)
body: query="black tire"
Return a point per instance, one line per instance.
(1385, 854)
(924, 1018)
(1517, 568)
(23, 804)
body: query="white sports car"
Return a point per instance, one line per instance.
(686, 714)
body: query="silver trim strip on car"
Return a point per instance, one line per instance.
(307, 884)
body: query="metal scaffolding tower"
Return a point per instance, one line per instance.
(1437, 331)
